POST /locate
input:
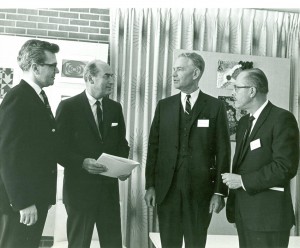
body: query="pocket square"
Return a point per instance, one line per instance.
(114, 124)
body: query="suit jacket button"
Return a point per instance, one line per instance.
(53, 130)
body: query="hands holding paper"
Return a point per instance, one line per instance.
(93, 167)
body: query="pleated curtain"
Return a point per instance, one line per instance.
(141, 55)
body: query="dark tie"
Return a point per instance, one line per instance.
(247, 132)
(188, 107)
(46, 102)
(99, 118)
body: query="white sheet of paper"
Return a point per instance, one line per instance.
(255, 144)
(117, 166)
(203, 123)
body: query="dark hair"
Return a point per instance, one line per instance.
(258, 79)
(33, 51)
(197, 59)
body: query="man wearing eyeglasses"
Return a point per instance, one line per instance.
(28, 149)
(188, 150)
(266, 159)
(89, 124)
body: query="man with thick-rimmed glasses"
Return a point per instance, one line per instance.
(266, 159)
(28, 149)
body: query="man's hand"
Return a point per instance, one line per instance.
(93, 167)
(150, 197)
(217, 203)
(124, 177)
(29, 216)
(233, 181)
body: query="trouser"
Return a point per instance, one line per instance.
(80, 226)
(14, 234)
(181, 214)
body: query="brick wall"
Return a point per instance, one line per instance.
(80, 24)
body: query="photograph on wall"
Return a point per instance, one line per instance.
(228, 71)
(6, 80)
(72, 68)
(233, 115)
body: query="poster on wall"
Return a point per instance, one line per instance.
(233, 114)
(6, 80)
(72, 68)
(228, 71)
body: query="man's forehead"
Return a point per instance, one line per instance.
(182, 61)
(104, 68)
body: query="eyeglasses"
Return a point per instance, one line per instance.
(53, 66)
(235, 87)
(108, 75)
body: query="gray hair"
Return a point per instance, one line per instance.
(33, 51)
(197, 60)
(92, 69)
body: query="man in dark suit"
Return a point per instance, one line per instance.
(188, 150)
(90, 124)
(265, 161)
(28, 149)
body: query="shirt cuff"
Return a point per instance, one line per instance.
(218, 194)
(242, 184)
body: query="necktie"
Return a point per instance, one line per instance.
(46, 102)
(188, 107)
(99, 118)
(247, 132)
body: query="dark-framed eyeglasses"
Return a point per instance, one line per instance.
(52, 66)
(235, 87)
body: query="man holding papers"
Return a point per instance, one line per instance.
(89, 125)
(265, 160)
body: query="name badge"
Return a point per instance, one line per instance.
(255, 144)
(203, 123)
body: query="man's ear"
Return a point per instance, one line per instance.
(196, 73)
(253, 92)
(90, 79)
(35, 69)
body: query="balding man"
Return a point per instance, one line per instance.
(90, 124)
(265, 160)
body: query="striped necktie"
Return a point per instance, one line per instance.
(188, 107)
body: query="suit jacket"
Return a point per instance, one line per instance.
(80, 139)
(209, 146)
(28, 153)
(273, 163)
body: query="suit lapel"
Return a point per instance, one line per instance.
(89, 114)
(239, 141)
(261, 119)
(107, 115)
(198, 107)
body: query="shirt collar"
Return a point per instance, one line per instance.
(91, 99)
(258, 112)
(36, 88)
(193, 99)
